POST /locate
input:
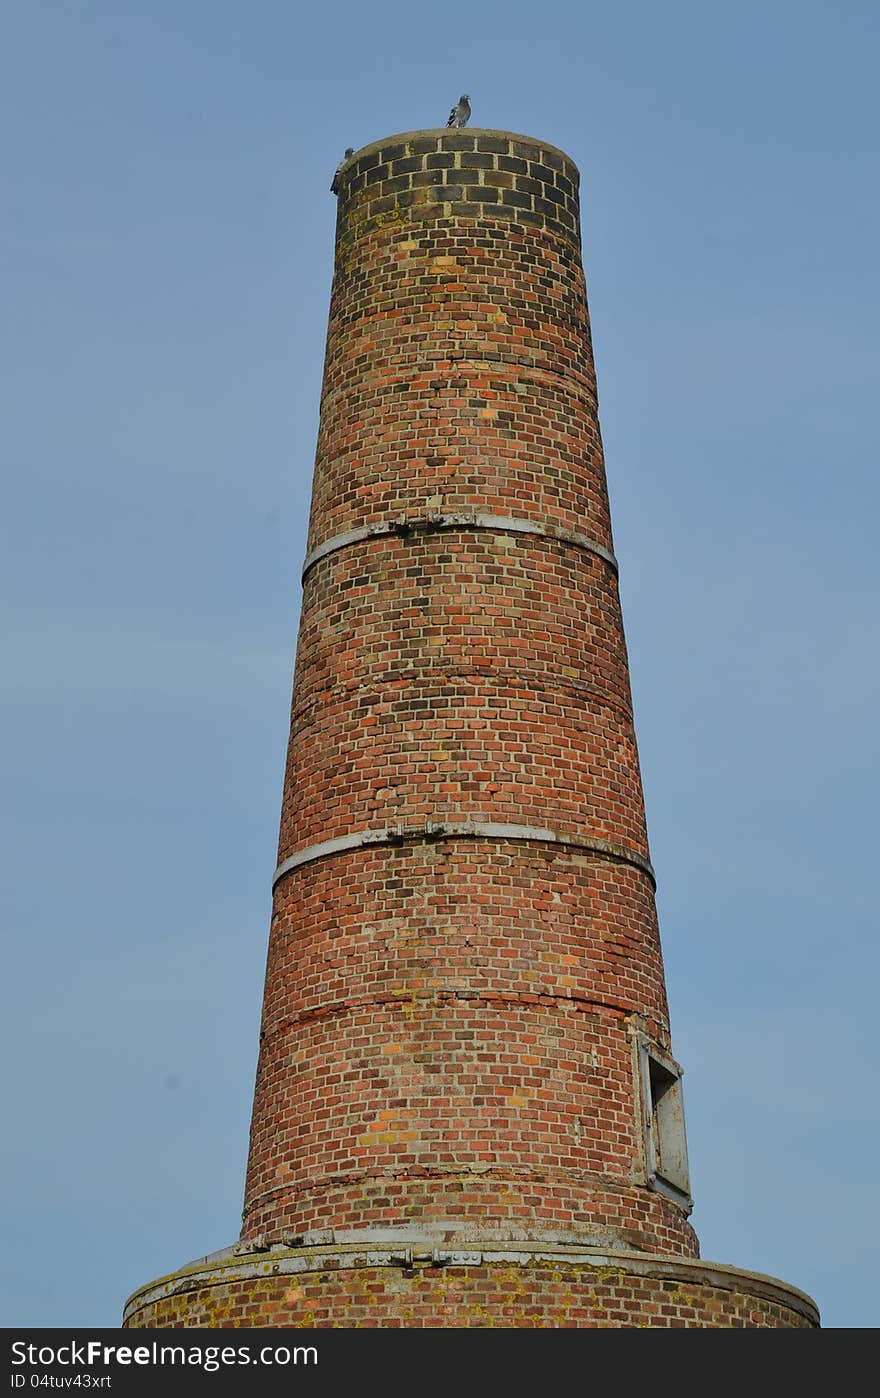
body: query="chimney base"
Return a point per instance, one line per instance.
(393, 1282)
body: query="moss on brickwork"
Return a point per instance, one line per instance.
(541, 1292)
(490, 175)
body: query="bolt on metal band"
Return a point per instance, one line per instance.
(395, 835)
(427, 524)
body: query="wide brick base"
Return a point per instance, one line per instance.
(503, 1287)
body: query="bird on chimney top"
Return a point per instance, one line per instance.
(460, 113)
(349, 151)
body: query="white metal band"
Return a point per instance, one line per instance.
(425, 524)
(395, 835)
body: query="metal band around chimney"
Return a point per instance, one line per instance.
(427, 524)
(395, 835)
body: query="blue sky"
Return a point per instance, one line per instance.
(167, 250)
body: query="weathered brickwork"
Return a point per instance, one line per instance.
(456, 1109)
(511, 1292)
(434, 682)
(464, 981)
(459, 371)
(449, 1014)
(452, 1018)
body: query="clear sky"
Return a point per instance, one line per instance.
(167, 248)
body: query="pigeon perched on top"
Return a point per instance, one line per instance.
(460, 114)
(349, 151)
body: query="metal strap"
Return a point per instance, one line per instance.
(395, 835)
(427, 524)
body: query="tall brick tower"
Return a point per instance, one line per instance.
(467, 1110)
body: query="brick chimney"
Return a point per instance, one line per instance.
(467, 1109)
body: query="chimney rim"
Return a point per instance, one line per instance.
(440, 131)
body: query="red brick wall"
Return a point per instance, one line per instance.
(466, 674)
(447, 1031)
